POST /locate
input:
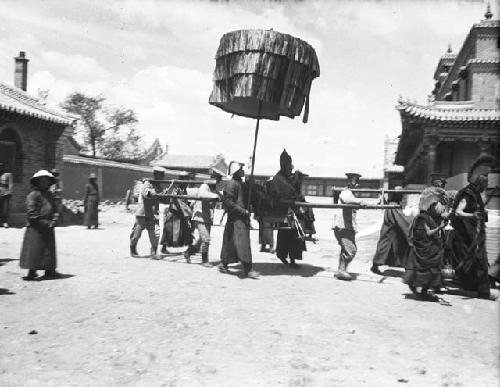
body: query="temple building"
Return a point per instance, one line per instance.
(462, 118)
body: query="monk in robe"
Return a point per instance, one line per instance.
(288, 243)
(392, 246)
(91, 203)
(423, 267)
(469, 219)
(236, 237)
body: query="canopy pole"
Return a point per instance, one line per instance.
(250, 180)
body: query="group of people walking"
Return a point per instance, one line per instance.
(446, 240)
(446, 233)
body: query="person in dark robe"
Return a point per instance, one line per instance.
(91, 203)
(392, 245)
(6, 188)
(177, 220)
(56, 190)
(236, 237)
(425, 258)
(38, 251)
(469, 217)
(288, 243)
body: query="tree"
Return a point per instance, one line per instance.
(109, 131)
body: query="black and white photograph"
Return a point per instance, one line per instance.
(297, 193)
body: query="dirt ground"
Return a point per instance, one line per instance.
(117, 320)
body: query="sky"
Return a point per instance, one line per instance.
(157, 57)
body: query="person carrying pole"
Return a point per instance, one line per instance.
(345, 227)
(202, 219)
(146, 215)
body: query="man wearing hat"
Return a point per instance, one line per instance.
(202, 218)
(236, 238)
(6, 187)
(283, 188)
(147, 213)
(345, 227)
(38, 251)
(91, 203)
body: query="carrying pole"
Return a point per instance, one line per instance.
(250, 181)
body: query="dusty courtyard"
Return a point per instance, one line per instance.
(117, 320)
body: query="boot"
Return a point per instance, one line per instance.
(154, 249)
(204, 259)
(223, 268)
(342, 273)
(133, 251)
(32, 275)
(164, 249)
(249, 272)
(187, 255)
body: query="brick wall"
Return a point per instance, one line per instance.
(485, 90)
(41, 149)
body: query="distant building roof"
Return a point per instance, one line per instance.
(15, 100)
(448, 111)
(74, 159)
(187, 162)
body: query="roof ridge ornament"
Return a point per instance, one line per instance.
(488, 14)
(449, 48)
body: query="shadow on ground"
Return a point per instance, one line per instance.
(4, 292)
(303, 270)
(3, 261)
(59, 277)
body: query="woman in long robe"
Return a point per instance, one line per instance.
(392, 246)
(39, 246)
(469, 239)
(91, 203)
(176, 225)
(423, 268)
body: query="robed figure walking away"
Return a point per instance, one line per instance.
(91, 203)
(469, 217)
(39, 245)
(236, 238)
(392, 245)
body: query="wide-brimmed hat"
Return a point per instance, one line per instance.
(234, 166)
(92, 176)
(42, 173)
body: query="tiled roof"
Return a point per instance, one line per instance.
(17, 101)
(75, 159)
(185, 161)
(449, 112)
(484, 60)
